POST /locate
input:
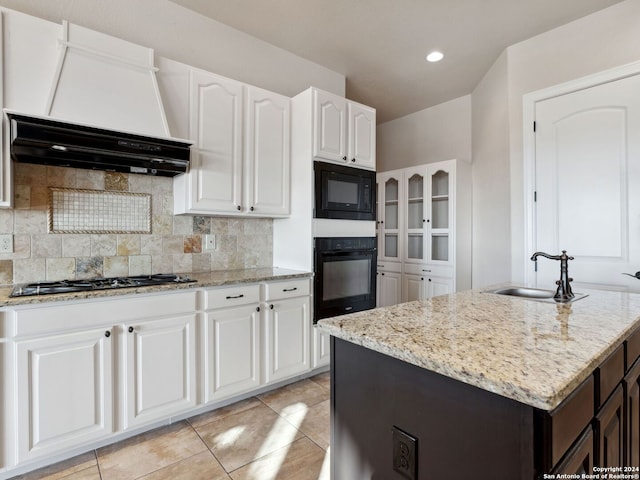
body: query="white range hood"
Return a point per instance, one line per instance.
(106, 82)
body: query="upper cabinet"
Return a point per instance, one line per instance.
(240, 162)
(344, 131)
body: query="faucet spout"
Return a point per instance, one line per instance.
(563, 292)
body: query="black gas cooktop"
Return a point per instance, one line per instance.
(66, 286)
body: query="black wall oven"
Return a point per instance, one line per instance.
(343, 192)
(345, 275)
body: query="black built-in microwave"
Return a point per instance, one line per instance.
(344, 192)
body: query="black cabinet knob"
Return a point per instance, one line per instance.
(107, 333)
(257, 309)
(271, 306)
(353, 160)
(252, 209)
(344, 158)
(238, 208)
(130, 329)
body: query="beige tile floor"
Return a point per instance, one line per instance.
(282, 434)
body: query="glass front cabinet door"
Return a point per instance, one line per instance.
(390, 216)
(440, 215)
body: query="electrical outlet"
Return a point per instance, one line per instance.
(209, 243)
(6, 243)
(405, 450)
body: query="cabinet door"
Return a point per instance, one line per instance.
(391, 216)
(389, 288)
(632, 392)
(414, 287)
(440, 213)
(609, 431)
(216, 120)
(232, 351)
(64, 387)
(579, 459)
(287, 338)
(159, 369)
(321, 348)
(439, 286)
(414, 197)
(267, 173)
(330, 127)
(362, 135)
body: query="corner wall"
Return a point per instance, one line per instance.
(442, 132)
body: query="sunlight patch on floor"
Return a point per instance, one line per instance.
(230, 437)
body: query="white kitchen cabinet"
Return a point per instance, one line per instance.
(231, 341)
(267, 153)
(216, 116)
(287, 309)
(344, 131)
(389, 284)
(390, 223)
(424, 222)
(321, 348)
(64, 387)
(240, 162)
(159, 376)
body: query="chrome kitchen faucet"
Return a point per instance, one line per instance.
(563, 292)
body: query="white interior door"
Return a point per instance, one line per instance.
(588, 185)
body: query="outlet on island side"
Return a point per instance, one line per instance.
(405, 453)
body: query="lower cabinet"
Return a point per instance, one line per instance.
(609, 422)
(287, 328)
(64, 388)
(79, 372)
(419, 287)
(632, 400)
(388, 288)
(579, 460)
(232, 351)
(321, 348)
(159, 376)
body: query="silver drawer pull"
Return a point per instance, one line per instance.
(234, 296)
(289, 289)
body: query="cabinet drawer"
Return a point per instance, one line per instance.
(231, 296)
(608, 375)
(88, 313)
(286, 289)
(428, 270)
(633, 348)
(389, 267)
(563, 426)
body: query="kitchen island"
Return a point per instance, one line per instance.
(487, 386)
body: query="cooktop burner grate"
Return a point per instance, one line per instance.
(99, 283)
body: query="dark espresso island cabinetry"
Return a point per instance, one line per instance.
(476, 385)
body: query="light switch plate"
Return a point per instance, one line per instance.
(6, 243)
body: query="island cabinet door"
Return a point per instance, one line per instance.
(579, 460)
(610, 431)
(632, 393)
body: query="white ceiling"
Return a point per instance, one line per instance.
(380, 45)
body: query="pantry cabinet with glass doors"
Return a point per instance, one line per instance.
(388, 231)
(431, 236)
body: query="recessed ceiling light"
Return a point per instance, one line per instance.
(435, 57)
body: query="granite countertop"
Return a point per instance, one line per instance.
(533, 352)
(204, 279)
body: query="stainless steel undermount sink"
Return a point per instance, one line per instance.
(533, 294)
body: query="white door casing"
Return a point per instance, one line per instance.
(587, 166)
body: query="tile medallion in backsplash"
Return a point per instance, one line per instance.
(175, 244)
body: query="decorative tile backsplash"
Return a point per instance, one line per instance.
(173, 246)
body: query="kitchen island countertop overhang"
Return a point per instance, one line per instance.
(533, 352)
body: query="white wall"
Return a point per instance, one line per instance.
(598, 42)
(180, 34)
(490, 178)
(438, 133)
